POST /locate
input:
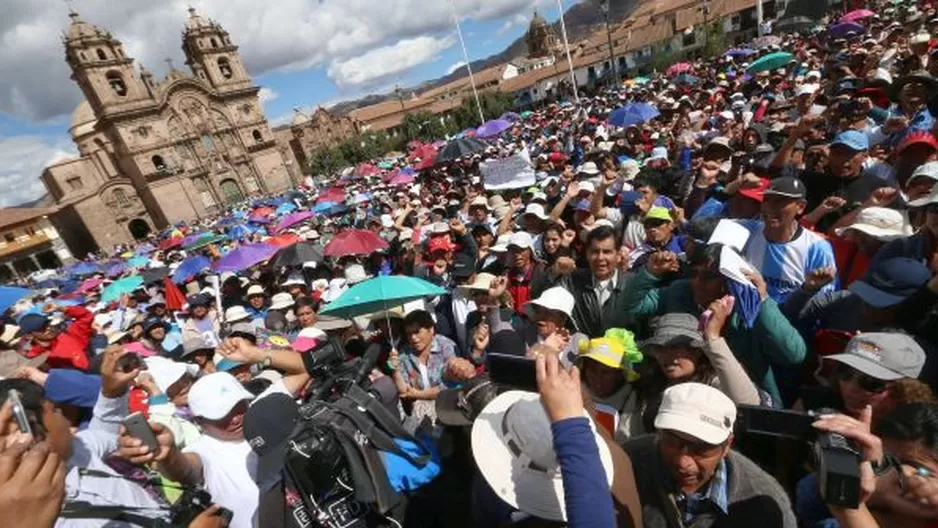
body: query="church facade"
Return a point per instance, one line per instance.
(156, 153)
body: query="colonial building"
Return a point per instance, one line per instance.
(153, 153)
(321, 129)
(29, 242)
(540, 38)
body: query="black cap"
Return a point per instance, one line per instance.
(463, 266)
(788, 187)
(268, 424)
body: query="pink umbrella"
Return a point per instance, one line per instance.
(89, 285)
(677, 68)
(857, 14)
(294, 219)
(402, 179)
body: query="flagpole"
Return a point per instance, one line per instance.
(566, 46)
(465, 55)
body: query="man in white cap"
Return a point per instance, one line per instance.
(690, 476)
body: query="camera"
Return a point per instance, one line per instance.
(836, 459)
(324, 357)
(193, 502)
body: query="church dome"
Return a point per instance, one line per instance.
(79, 29)
(83, 120)
(195, 21)
(299, 118)
(538, 21)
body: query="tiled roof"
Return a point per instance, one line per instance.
(10, 216)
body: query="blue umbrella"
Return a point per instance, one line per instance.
(841, 30)
(138, 262)
(241, 231)
(286, 207)
(114, 290)
(10, 294)
(633, 114)
(686, 78)
(338, 209)
(83, 268)
(190, 268)
(115, 268)
(323, 207)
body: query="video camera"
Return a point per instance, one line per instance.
(837, 460)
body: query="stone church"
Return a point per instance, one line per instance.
(154, 153)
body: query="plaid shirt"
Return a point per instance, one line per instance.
(715, 494)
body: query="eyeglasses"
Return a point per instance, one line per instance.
(866, 383)
(670, 440)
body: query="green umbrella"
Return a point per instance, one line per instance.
(114, 290)
(205, 241)
(772, 61)
(526, 114)
(380, 293)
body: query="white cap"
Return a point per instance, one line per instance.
(880, 223)
(806, 89)
(539, 197)
(281, 301)
(336, 288)
(697, 410)
(295, 279)
(812, 74)
(480, 201)
(501, 243)
(355, 273)
(521, 239)
(587, 186)
(589, 168)
(537, 210)
(439, 228)
(165, 371)
(926, 170)
(256, 289)
(214, 395)
(236, 313)
(657, 153)
(557, 299)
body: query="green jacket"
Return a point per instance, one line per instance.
(771, 340)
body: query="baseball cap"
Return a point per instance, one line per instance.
(856, 141)
(32, 322)
(755, 193)
(883, 355)
(788, 186)
(891, 282)
(918, 137)
(583, 205)
(557, 299)
(213, 396)
(881, 223)
(698, 410)
(439, 244)
(463, 266)
(926, 170)
(165, 371)
(675, 329)
(657, 213)
(521, 239)
(930, 198)
(268, 425)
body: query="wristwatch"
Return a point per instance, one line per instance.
(267, 359)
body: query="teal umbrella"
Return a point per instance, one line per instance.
(380, 293)
(114, 290)
(138, 262)
(772, 61)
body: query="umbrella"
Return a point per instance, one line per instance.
(459, 148)
(510, 116)
(138, 262)
(323, 207)
(206, 240)
(259, 220)
(173, 295)
(493, 128)
(114, 269)
(145, 249)
(367, 169)
(171, 242)
(332, 194)
(686, 78)
(772, 61)
(10, 294)
(740, 52)
(286, 207)
(294, 219)
(402, 179)
(427, 155)
(284, 240)
(354, 242)
(633, 114)
(154, 274)
(89, 285)
(243, 257)
(114, 290)
(190, 268)
(526, 114)
(241, 231)
(338, 208)
(679, 67)
(795, 23)
(380, 293)
(844, 29)
(467, 133)
(296, 255)
(83, 268)
(766, 41)
(857, 14)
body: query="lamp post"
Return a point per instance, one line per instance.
(604, 7)
(566, 46)
(705, 7)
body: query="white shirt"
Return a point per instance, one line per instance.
(461, 308)
(604, 288)
(228, 469)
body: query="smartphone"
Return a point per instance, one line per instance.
(137, 427)
(19, 412)
(516, 372)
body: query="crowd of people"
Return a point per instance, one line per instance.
(602, 337)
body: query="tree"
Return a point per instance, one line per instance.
(715, 43)
(422, 125)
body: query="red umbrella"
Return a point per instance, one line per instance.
(284, 240)
(354, 242)
(169, 243)
(367, 169)
(263, 211)
(174, 296)
(677, 68)
(332, 194)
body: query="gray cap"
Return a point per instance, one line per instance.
(195, 344)
(884, 356)
(675, 329)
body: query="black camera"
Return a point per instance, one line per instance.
(324, 357)
(193, 502)
(836, 459)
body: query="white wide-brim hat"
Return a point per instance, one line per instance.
(531, 491)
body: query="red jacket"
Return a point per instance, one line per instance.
(69, 348)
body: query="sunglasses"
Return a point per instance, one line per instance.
(865, 382)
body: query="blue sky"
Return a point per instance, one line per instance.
(303, 53)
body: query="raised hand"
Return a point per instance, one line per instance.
(498, 287)
(134, 450)
(559, 389)
(662, 263)
(817, 279)
(114, 381)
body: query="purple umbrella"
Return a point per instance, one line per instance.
(840, 30)
(115, 268)
(493, 128)
(402, 179)
(740, 52)
(294, 219)
(259, 220)
(244, 257)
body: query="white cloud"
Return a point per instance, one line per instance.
(266, 95)
(379, 64)
(518, 20)
(291, 35)
(455, 67)
(22, 159)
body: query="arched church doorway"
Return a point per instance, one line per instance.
(139, 228)
(232, 192)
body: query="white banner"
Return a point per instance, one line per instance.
(513, 172)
